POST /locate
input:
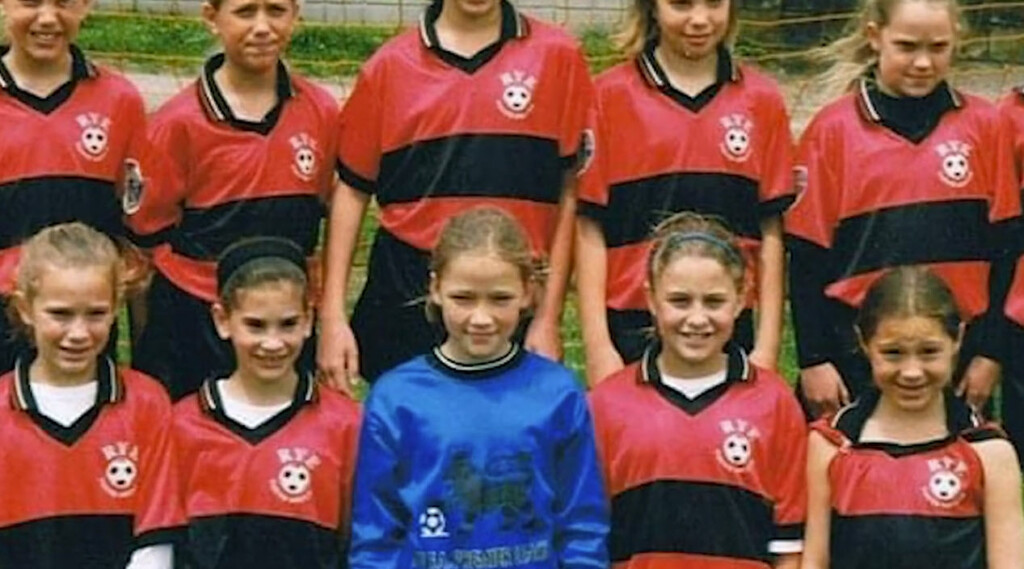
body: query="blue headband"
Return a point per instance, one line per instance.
(678, 239)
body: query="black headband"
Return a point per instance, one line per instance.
(252, 248)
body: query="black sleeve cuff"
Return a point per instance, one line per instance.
(355, 180)
(591, 210)
(776, 206)
(161, 536)
(789, 532)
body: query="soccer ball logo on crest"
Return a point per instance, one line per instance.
(737, 449)
(517, 99)
(304, 149)
(432, 523)
(121, 469)
(95, 137)
(736, 141)
(294, 480)
(956, 163)
(945, 486)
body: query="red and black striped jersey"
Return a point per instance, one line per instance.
(277, 495)
(1012, 107)
(906, 506)
(91, 492)
(78, 154)
(431, 134)
(870, 199)
(221, 179)
(725, 152)
(714, 481)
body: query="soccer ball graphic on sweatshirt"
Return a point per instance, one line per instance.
(432, 523)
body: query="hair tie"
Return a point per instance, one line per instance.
(677, 239)
(252, 248)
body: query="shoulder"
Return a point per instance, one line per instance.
(144, 391)
(114, 84)
(188, 411)
(182, 108)
(401, 47)
(618, 78)
(997, 456)
(760, 85)
(549, 36)
(318, 95)
(839, 114)
(400, 383)
(615, 386)
(339, 408)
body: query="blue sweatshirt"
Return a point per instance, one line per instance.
(470, 467)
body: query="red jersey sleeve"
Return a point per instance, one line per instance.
(350, 440)
(592, 185)
(814, 215)
(788, 482)
(776, 190)
(160, 204)
(359, 132)
(159, 507)
(578, 111)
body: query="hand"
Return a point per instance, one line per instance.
(602, 362)
(824, 389)
(337, 356)
(544, 339)
(978, 382)
(765, 359)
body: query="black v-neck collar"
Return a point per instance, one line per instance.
(212, 403)
(81, 69)
(911, 118)
(218, 109)
(738, 369)
(513, 25)
(110, 390)
(960, 419)
(655, 75)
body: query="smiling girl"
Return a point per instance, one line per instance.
(247, 151)
(685, 127)
(699, 444)
(74, 140)
(908, 476)
(479, 450)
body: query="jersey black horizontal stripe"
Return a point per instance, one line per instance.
(204, 233)
(906, 542)
(35, 203)
(932, 232)
(697, 518)
(635, 207)
(80, 541)
(244, 541)
(488, 165)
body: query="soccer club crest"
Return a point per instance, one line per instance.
(945, 487)
(121, 469)
(956, 163)
(133, 184)
(516, 99)
(94, 137)
(736, 451)
(304, 151)
(294, 480)
(433, 523)
(736, 140)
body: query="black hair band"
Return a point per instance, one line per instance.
(252, 248)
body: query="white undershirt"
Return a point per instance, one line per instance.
(694, 387)
(65, 405)
(153, 557)
(247, 414)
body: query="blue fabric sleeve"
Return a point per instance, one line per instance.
(379, 518)
(581, 508)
